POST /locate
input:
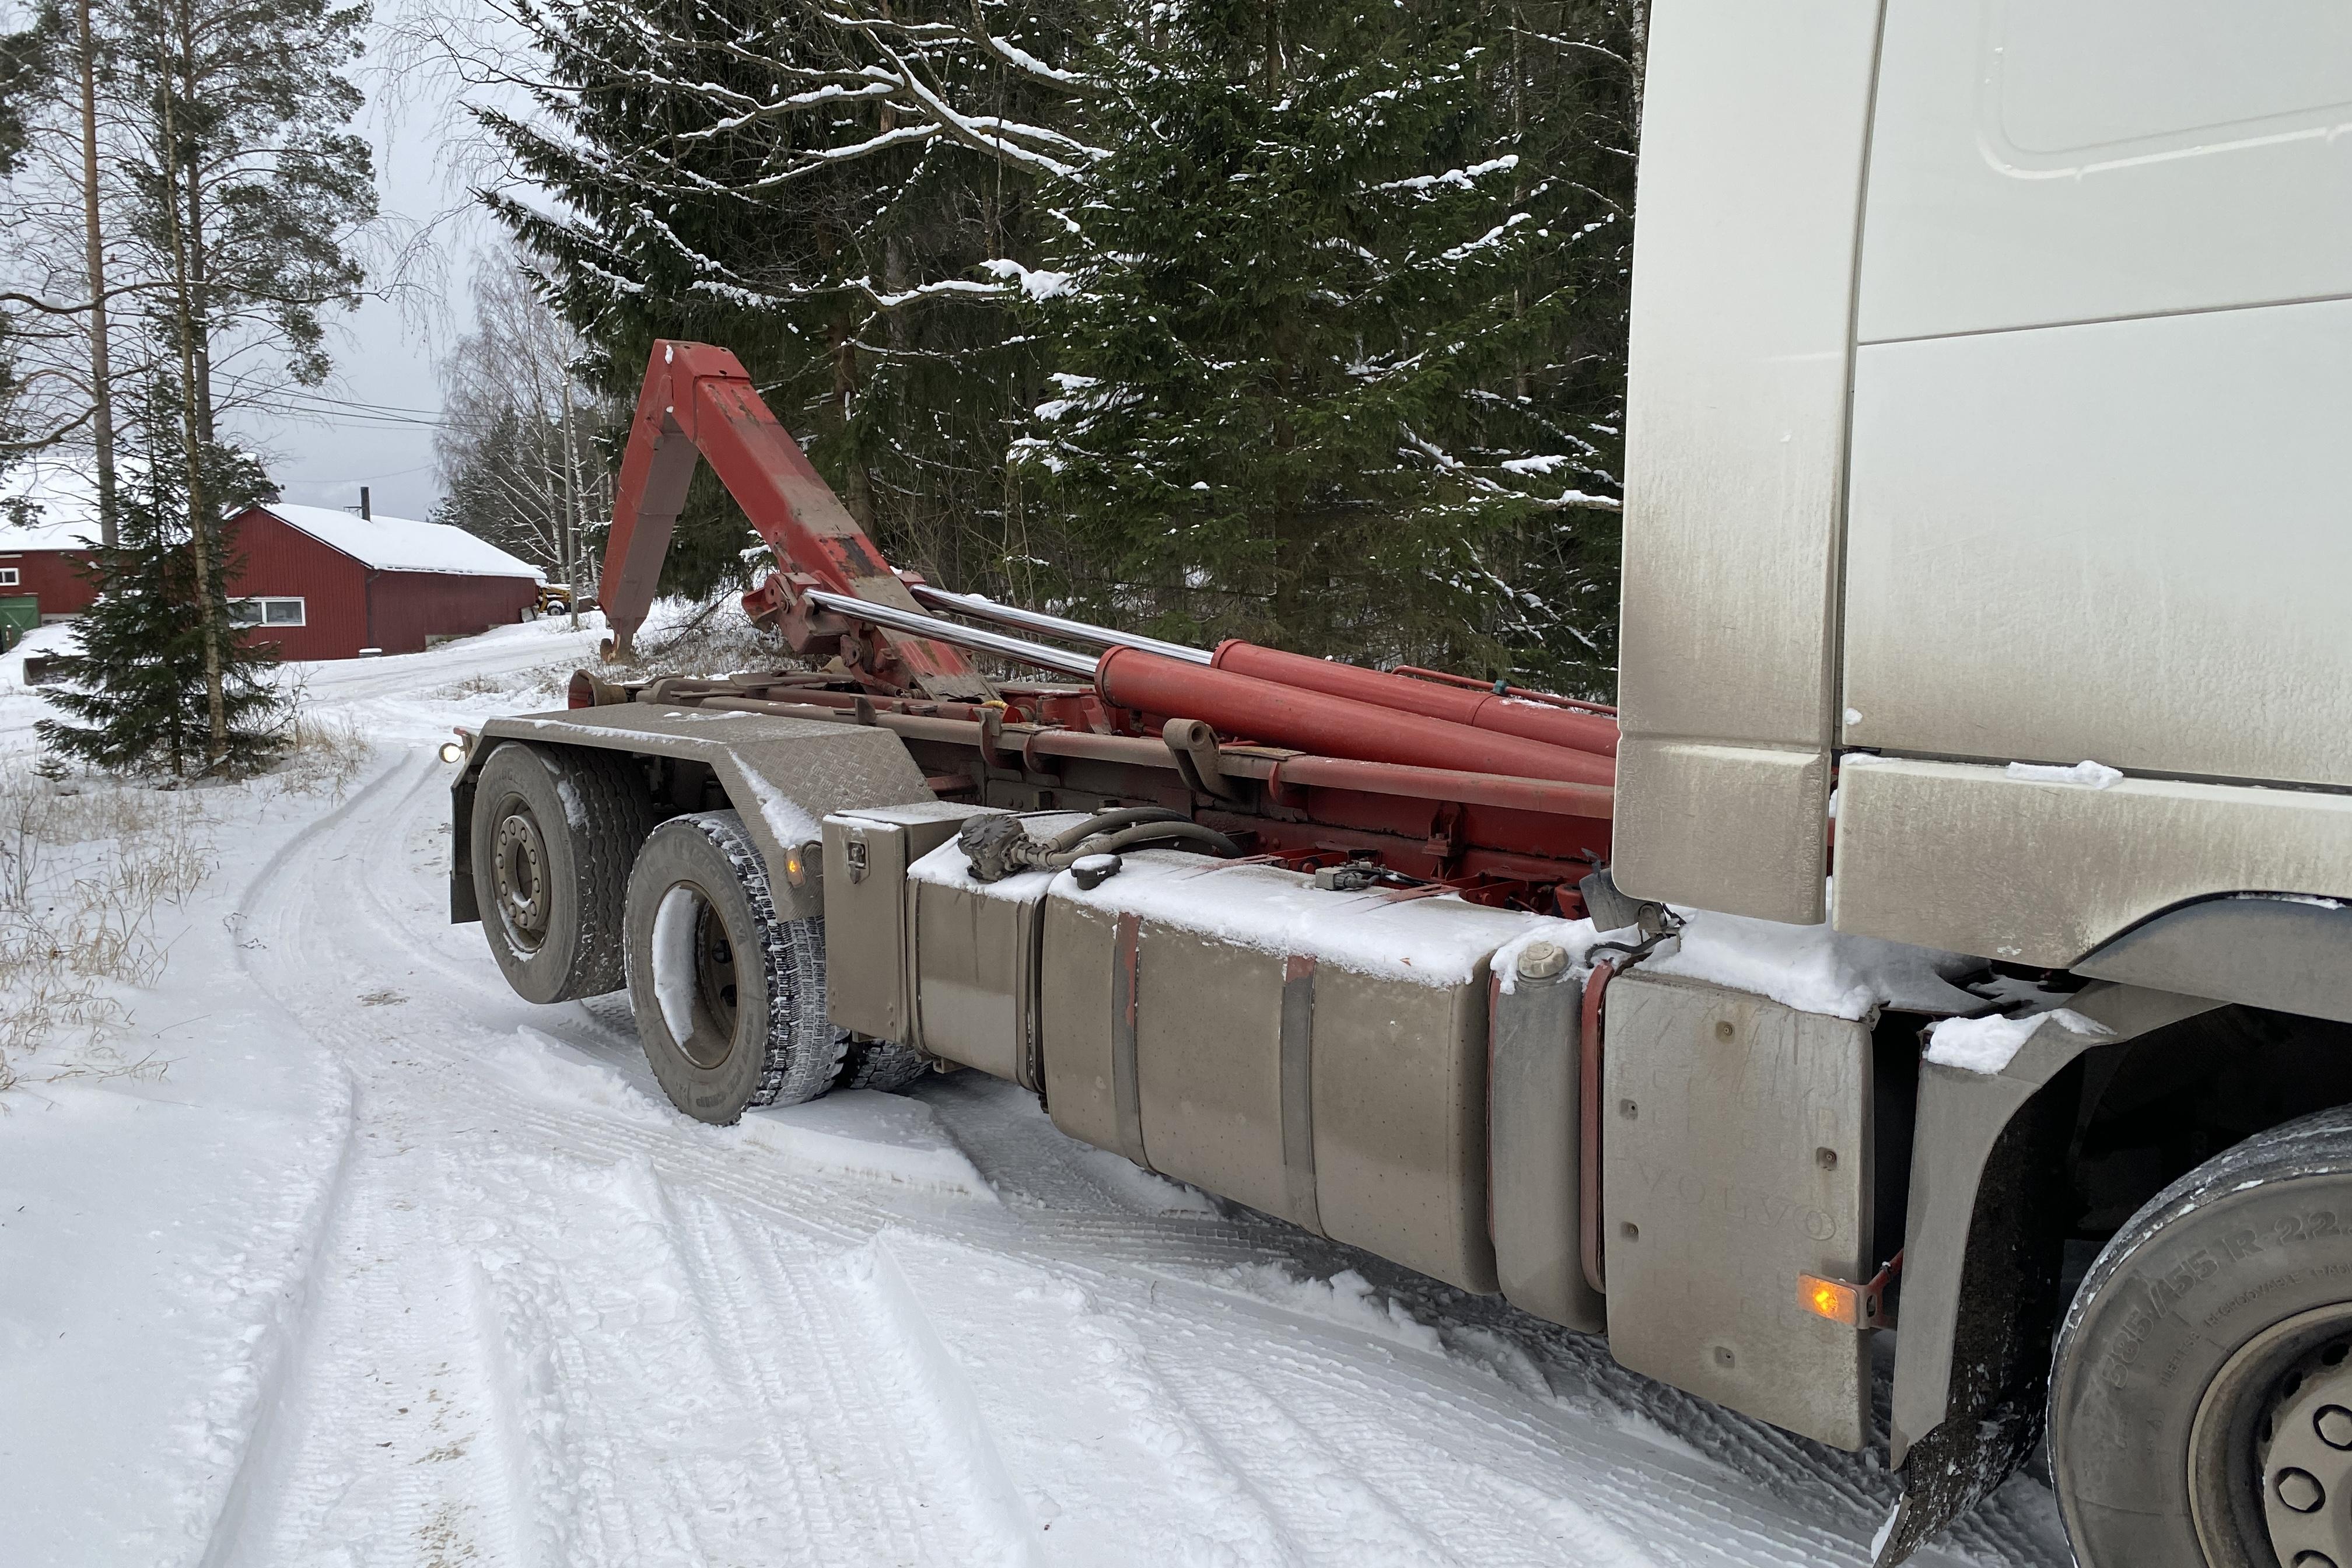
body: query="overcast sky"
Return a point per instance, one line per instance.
(385, 351)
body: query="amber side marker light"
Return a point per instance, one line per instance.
(1833, 1298)
(1870, 1306)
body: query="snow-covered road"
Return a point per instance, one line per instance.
(393, 1267)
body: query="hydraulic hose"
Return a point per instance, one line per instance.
(1111, 821)
(1149, 833)
(999, 846)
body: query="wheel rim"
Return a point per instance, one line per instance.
(520, 857)
(714, 984)
(2270, 1452)
(691, 971)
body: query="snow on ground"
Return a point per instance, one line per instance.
(386, 1266)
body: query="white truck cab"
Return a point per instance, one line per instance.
(1988, 541)
(1991, 401)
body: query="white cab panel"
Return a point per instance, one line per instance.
(2129, 542)
(1753, 133)
(2036, 161)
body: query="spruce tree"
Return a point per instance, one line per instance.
(1317, 320)
(816, 186)
(135, 687)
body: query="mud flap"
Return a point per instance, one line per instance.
(1983, 1246)
(2007, 1316)
(465, 903)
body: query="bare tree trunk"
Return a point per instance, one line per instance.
(856, 483)
(574, 508)
(1638, 21)
(102, 369)
(199, 293)
(193, 443)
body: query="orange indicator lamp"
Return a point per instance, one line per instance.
(1833, 1298)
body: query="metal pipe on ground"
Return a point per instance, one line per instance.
(1283, 714)
(1479, 708)
(978, 608)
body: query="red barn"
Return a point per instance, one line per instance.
(323, 583)
(41, 571)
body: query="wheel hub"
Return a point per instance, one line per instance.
(522, 861)
(2305, 1447)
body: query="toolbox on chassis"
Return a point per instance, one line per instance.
(1416, 961)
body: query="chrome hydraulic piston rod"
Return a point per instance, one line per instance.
(1062, 661)
(982, 609)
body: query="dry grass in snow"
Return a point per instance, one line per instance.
(86, 866)
(91, 869)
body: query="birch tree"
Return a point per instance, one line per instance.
(522, 450)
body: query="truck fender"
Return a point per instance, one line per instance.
(2288, 952)
(1982, 1250)
(783, 776)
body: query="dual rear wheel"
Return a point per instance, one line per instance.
(582, 890)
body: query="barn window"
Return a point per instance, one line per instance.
(7, 576)
(265, 612)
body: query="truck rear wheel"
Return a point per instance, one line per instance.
(2201, 1397)
(554, 830)
(728, 998)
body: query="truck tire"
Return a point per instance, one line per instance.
(554, 831)
(882, 1066)
(728, 998)
(2200, 1394)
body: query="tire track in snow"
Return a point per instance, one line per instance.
(542, 1283)
(317, 1474)
(385, 1447)
(783, 1340)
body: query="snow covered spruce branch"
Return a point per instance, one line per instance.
(1565, 500)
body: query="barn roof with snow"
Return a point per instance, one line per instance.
(65, 509)
(402, 545)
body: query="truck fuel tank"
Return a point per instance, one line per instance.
(1317, 1055)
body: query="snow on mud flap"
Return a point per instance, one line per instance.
(554, 830)
(728, 998)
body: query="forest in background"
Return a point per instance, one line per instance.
(1290, 319)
